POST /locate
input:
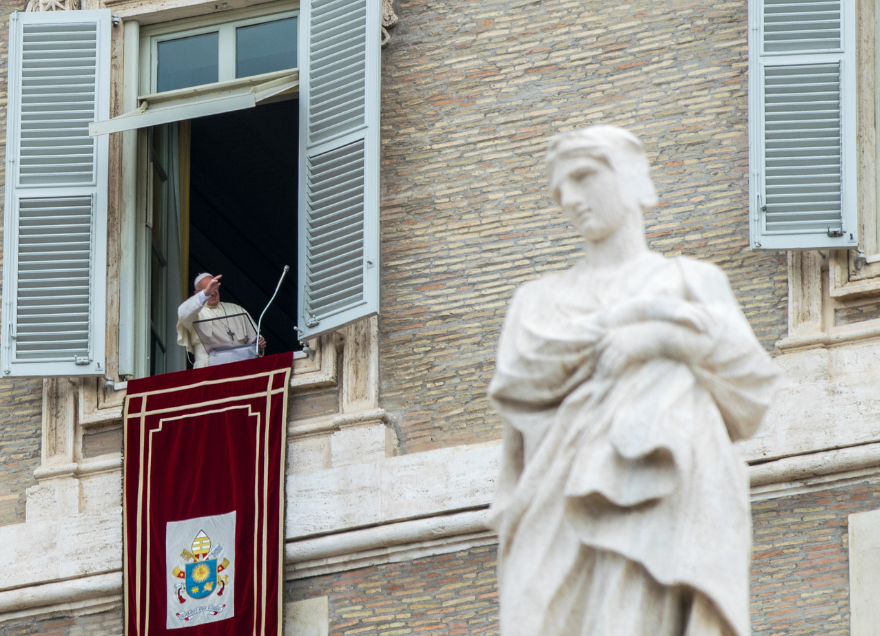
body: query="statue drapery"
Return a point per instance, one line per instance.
(622, 507)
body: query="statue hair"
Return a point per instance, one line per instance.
(619, 149)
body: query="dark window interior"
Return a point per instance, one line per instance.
(243, 211)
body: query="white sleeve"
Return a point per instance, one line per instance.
(190, 308)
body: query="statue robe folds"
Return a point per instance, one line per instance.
(622, 507)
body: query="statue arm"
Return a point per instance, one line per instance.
(738, 373)
(656, 308)
(640, 342)
(705, 330)
(692, 330)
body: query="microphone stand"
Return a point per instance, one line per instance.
(260, 321)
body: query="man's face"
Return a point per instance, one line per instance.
(214, 300)
(589, 194)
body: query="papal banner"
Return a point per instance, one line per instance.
(204, 500)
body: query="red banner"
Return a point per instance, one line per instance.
(204, 500)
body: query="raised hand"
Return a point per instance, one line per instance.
(213, 287)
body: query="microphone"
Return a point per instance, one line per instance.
(260, 321)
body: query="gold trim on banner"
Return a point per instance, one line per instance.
(282, 515)
(257, 518)
(159, 429)
(140, 511)
(265, 507)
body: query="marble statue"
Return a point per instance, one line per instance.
(622, 507)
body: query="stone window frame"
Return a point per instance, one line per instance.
(824, 282)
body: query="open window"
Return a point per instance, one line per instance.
(257, 146)
(221, 200)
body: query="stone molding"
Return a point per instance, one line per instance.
(442, 516)
(837, 464)
(853, 333)
(318, 370)
(389, 20)
(52, 5)
(391, 543)
(74, 596)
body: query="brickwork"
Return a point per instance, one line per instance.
(102, 443)
(853, 315)
(20, 430)
(102, 624)
(471, 92)
(445, 595)
(800, 578)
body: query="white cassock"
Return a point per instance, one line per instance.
(232, 320)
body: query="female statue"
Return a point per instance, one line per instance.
(622, 508)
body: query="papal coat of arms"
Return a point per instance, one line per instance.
(201, 571)
(200, 554)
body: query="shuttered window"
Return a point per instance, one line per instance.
(54, 266)
(802, 120)
(339, 163)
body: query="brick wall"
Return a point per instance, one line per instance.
(471, 92)
(20, 428)
(799, 581)
(445, 595)
(103, 624)
(800, 577)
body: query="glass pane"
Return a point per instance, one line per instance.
(188, 61)
(266, 47)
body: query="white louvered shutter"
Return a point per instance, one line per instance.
(55, 221)
(339, 163)
(802, 124)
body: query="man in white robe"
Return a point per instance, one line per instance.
(231, 321)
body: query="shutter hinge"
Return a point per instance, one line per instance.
(82, 360)
(834, 233)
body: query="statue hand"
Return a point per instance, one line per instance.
(657, 308)
(627, 345)
(632, 344)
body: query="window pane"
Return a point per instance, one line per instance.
(188, 61)
(266, 47)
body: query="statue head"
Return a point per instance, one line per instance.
(600, 178)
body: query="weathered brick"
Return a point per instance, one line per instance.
(471, 93)
(102, 624)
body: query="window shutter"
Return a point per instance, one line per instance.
(802, 124)
(55, 243)
(339, 163)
